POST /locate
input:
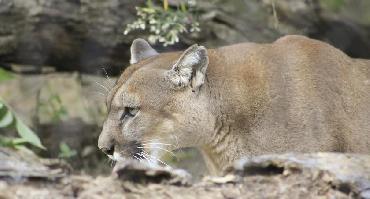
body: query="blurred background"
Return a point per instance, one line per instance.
(59, 58)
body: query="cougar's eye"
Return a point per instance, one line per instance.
(129, 112)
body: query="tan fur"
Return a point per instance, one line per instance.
(294, 95)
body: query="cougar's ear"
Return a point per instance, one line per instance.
(141, 49)
(190, 68)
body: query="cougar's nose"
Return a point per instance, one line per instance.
(105, 142)
(108, 150)
(107, 146)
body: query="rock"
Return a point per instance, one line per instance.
(79, 35)
(349, 173)
(23, 163)
(85, 35)
(136, 172)
(316, 175)
(221, 180)
(264, 21)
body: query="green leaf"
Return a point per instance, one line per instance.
(66, 151)
(28, 135)
(19, 141)
(6, 120)
(20, 147)
(5, 141)
(9, 119)
(3, 109)
(148, 10)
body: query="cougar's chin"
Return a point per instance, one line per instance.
(118, 157)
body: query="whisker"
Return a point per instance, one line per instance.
(104, 87)
(157, 160)
(139, 159)
(151, 161)
(176, 139)
(155, 140)
(173, 154)
(96, 95)
(158, 143)
(100, 93)
(146, 158)
(108, 78)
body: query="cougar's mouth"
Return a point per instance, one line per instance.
(147, 153)
(126, 151)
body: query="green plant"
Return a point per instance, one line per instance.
(9, 120)
(164, 23)
(65, 151)
(53, 106)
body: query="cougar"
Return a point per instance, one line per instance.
(293, 95)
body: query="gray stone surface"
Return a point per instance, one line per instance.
(79, 35)
(320, 175)
(86, 35)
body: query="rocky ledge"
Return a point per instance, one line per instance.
(318, 175)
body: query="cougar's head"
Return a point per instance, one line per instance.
(156, 105)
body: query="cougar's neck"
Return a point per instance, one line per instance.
(225, 142)
(223, 149)
(235, 94)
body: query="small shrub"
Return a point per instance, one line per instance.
(53, 107)
(164, 23)
(26, 136)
